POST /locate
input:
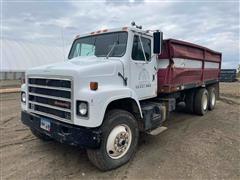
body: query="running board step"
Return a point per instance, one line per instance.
(157, 130)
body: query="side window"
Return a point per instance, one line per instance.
(137, 53)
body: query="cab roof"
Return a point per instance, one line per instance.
(126, 29)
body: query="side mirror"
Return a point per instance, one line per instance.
(157, 42)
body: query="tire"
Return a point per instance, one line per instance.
(115, 122)
(212, 98)
(41, 136)
(201, 102)
(189, 101)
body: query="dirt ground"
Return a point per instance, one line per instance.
(10, 83)
(193, 147)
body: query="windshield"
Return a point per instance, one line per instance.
(102, 45)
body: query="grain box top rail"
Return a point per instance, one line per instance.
(173, 48)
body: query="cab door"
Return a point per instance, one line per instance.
(143, 67)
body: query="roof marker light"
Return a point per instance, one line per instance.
(125, 28)
(105, 30)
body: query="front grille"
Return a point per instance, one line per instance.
(50, 82)
(50, 92)
(50, 97)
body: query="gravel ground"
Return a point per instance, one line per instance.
(193, 147)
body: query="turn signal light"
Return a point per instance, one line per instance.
(93, 86)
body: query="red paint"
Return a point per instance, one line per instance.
(172, 77)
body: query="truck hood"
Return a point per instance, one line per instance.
(85, 66)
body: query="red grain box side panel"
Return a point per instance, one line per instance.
(188, 64)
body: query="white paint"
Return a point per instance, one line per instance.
(212, 65)
(163, 63)
(83, 70)
(142, 80)
(187, 63)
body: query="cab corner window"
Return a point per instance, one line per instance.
(137, 52)
(83, 50)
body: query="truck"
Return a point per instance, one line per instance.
(116, 84)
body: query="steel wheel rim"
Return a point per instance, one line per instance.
(205, 102)
(119, 141)
(213, 100)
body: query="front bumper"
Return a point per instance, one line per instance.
(65, 133)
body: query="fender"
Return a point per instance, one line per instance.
(132, 95)
(99, 101)
(123, 93)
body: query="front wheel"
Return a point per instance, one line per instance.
(119, 141)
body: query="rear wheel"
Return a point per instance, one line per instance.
(201, 102)
(40, 135)
(119, 141)
(212, 98)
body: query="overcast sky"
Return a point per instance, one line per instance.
(214, 24)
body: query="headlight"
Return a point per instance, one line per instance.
(82, 108)
(23, 97)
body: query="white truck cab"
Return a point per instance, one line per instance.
(93, 98)
(113, 60)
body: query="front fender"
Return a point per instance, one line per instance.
(99, 101)
(125, 93)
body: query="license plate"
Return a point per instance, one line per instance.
(45, 124)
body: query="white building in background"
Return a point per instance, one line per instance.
(18, 56)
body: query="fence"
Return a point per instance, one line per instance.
(11, 75)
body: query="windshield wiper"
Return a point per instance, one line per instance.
(111, 50)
